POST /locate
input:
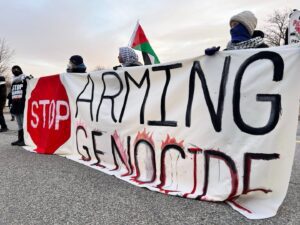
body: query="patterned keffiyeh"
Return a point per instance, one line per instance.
(128, 55)
(251, 43)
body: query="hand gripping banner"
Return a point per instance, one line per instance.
(218, 128)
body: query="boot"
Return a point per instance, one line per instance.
(19, 138)
(21, 142)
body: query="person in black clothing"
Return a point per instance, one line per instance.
(243, 34)
(76, 65)
(9, 105)
(2, 103)
(18, 93)
(128, 58)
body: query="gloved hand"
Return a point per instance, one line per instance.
(117, 67)
(28, 77)
(212, 50)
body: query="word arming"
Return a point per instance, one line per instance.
(216, 113)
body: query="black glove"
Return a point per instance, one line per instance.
(28, 77)
(212, 50)
(117, 67)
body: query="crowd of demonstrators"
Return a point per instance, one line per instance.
(128, 58)
(243, 34)
(2, 103)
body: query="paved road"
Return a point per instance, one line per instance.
(48, 189)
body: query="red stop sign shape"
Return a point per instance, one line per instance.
(49, 115)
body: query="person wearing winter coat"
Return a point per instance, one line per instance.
(18, 94)
(9, 106)
(2, 103)
(243, 34)
(76, 65)
(128, 58)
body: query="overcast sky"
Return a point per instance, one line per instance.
(45, 33)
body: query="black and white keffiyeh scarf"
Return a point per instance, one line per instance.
(128, 55)
(251, 43)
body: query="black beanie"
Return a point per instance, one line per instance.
(16, 68)
(76, 60)
(76, 65)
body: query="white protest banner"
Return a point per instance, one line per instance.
(294, 28)
(218, 128)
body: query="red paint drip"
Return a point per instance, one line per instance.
(85, 158)
(234, 179)
(260, 189)
(162, 173)
(194, 175)
(125, 174)
(195, 150)
(239, 206)
(166, 191)
(134, 179)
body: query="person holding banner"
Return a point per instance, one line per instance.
(128, 58)
(76, 65)
(18, 92)
(9, 105)
(243, 34)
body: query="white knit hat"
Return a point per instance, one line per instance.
(247, 19)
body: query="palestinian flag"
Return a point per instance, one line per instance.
(140, 42)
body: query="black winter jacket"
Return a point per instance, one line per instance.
(2, 92)
(18, 94)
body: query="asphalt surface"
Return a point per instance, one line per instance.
(48, 189)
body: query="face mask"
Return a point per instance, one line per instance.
(16, 72)
(239, 33)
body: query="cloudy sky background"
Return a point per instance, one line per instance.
(45, 33)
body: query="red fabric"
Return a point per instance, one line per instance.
(139, 37)
(47, 129)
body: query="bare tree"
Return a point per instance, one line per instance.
(99, 67)
(276, 25)
(5, 56)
